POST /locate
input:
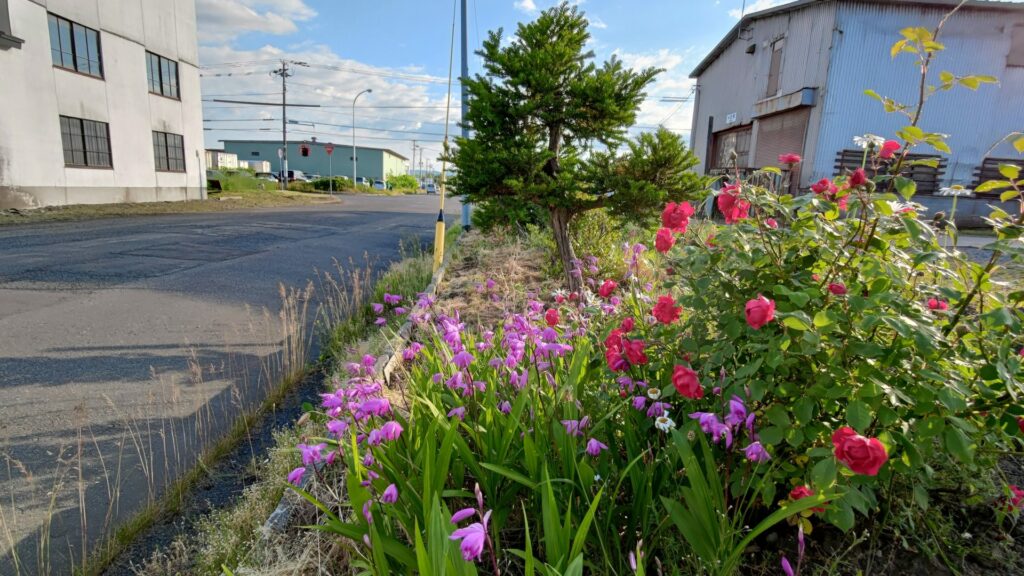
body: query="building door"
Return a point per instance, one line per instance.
(781, 134)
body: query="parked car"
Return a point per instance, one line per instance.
(380, 185)
(431, 188)
(364, 181)
(297, 175)
(268, 176)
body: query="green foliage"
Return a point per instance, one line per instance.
(340, 183)
(506, 211)
(404, 182)
(548, 124)
(299, 186)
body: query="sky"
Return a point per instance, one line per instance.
(400, 50)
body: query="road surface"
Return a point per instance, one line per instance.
(127, 344)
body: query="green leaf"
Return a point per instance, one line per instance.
(823, 475)
(795, 323)
(1008, 195)
(931, 426)
(946, 77)
(821, 318)
(1018, 144)
(840, 515)
(911, 134)
(959, 445)
(873, 94)
(778, 416)
(510, 474)
(992, 185)
(906, 187)
(858, 414)
(1010, 171)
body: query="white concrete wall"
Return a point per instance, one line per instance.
(35, 94)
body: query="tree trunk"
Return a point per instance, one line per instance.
(560, 228)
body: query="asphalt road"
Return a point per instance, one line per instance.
(127, 344)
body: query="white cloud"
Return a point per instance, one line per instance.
(330, 81)
(674, 82)
(597, 23)
(756, 6)
(221, 21)
(525, 5)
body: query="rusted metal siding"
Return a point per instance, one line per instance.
(737, 80)
(977, 42)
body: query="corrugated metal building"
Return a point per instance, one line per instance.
(792, 79)
(372, 163)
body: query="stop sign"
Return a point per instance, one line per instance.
(329, 149)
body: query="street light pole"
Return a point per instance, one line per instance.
(367, 91)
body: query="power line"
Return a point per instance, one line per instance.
(347, 126)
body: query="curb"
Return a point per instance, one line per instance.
(280, 518)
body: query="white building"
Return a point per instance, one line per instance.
(220, 160)
(99, 102)
(257, 166)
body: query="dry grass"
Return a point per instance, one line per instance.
(217, 202)
(516, 267)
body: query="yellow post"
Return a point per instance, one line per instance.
(439, 241)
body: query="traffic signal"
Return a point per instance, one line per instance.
(304, 150)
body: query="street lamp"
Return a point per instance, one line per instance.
(367, 91)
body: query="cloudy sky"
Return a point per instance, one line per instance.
(399, 49)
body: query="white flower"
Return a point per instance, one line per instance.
(869, 140)
(653, 393)
(664, 423)
(900, 207)
(955, 190)
(597, 477)
(967, 536)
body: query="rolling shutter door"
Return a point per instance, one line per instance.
(781, 134)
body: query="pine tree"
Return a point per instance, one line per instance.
(550, 129)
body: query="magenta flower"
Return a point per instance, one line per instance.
(462, 515)
(707, 421)
(399, 311)
(295, 476)
(390, 495)
(575, 427)
(374, 438)
(505, 407)
(392, 298)
(377, 308)
(737, 412)
(473, 538)
(380, 321)
(459, 412)
(786, 567)
(311, 454)
(756, 453)
(337, 428)
(410, 353)
(368, 512)
(463, 359)
(639, 402)
(594, 447)
(391, 430)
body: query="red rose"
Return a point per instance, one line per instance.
(861, 454)
(889, 147)
(675, 217)
(551, 316)
(823, 186)
(801, 492)
(858, 178)
(616, 363)
(732, 206)
(686, 382)
(627, 325)
(635, 352)
(1016, 498)
(936, 304)
(614, 340)
(664, 240)
(560, 299)
(759, 312)
(790, 158)
(837, 288)
(771, 223)
(607, 288)
(665, 311)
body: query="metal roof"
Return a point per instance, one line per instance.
(320, 143)
(801, 4)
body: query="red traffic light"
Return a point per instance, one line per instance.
(304, 150)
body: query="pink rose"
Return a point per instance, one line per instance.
(607, 288)
(664, 240)
(771, 223)
(759, 311)
(686, 382)
(861, 454)
(551, 316)
(889, 147)
(790, 158)
(675, 217)
(938, 305)
(635, 352)
(732, 206)
(837, 288)
(858, 178)
(665, 311)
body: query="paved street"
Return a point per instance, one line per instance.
(126, 344)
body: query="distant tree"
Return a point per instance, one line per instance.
(548, 125)
(403, 181)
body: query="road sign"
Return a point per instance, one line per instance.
(329, 149)
(280, 152)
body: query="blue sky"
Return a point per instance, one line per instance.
(399, 48)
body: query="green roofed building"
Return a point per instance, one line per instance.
(373, 163)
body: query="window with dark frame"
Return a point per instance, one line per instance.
(1016, 55)
(163, 75)
(75, 47)
(775, 69)
(725, 143)
(168, 152)
(86, 143)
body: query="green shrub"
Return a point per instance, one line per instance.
(340, 183)
(298, 186)
(504, 211)
(404, 182)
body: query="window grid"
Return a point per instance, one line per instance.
(75, 47)
(169, 152)
(163, 75)
(86, 143)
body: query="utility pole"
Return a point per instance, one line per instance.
(465, 101)
(284, 74)
(412, 164)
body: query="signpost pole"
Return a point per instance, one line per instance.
(330, 164)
